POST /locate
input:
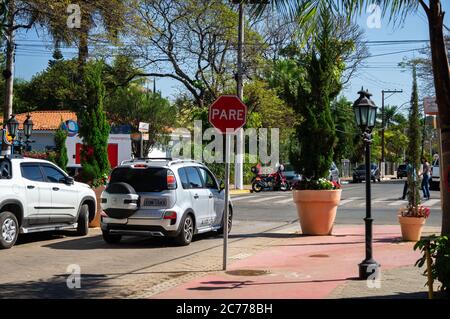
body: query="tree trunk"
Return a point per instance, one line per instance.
(8, 73)
(83, 49)
(442, 86)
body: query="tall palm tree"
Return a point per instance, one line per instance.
(307, 13)
(109, 14)
(390, 117)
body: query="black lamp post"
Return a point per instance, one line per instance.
(366, 111)
(13, 126)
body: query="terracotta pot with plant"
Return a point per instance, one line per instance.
(315, 196)
(413, 217)
(317, 202)
(411, 221)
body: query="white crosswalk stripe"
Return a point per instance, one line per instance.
(377, 200)
(242, 197)
(285, 201)
(349, 200)
(431, 202)
(259, 200)
(398, 203)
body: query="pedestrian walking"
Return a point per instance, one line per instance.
(426, 173)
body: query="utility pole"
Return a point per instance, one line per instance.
(382, 127)
(239, 162)
(8, 73)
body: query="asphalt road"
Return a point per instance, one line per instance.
(279, 207)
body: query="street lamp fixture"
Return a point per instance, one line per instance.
(13, 126)
(365, 112)
(28, 127)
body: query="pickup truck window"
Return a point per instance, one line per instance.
(52, 174)
(32, 172)
(5, 169)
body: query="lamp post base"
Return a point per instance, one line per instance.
(369, 268)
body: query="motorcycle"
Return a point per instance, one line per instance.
(273, 181)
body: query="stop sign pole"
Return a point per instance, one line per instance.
(227, 114)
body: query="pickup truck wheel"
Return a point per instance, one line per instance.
(9, 230)
(83, 221)
(186, 234)
(110, 238)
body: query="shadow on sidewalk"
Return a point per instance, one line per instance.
(400, 295)
(266, 235)
(236, 284)
(56, 287)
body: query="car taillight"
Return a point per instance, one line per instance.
(140, 166)
(170, 215)
(171, 181)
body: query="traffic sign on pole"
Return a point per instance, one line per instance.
(227, 114)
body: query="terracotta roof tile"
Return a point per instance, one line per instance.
(46, 120)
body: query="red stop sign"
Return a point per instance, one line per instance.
(228, 112)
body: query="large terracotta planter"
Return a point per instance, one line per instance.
(96, 221)
(316, 210)
(411, 227)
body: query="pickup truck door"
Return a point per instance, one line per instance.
(36, 195)
(64, 201)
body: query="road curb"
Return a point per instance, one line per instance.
(239, 191)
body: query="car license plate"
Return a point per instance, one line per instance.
(155, 202)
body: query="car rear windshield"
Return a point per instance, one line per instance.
(152, 179)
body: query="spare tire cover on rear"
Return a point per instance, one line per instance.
(120, 189)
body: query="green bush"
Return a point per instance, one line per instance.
(94, 128)
(439, 248)
(61, 158)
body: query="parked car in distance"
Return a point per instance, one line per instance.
(435, 175)
(37, 196)
(162, 198)
(73, 170)
(359, 173)
(291, 175)
(401, 171)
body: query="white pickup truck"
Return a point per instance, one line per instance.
(37, 196)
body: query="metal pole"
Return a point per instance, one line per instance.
(382, 133)
(368, 266)
(239, 163)
(9, 70)
(142, 145)
(227, 190)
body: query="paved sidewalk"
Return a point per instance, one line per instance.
(315, 267)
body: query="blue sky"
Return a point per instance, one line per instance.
(34, 51)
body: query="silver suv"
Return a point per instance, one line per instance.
(162, 198)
